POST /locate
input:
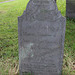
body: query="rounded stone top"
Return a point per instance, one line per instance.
(42, 10)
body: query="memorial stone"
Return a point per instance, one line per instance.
(70, 8)
(41, 31)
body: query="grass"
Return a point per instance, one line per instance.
(61, 4)
(9, 38)
(3, 0)
(69, 52)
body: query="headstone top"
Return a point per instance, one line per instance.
(45, 9)
(43, 2)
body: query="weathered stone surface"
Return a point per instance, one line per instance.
(70, 8)
(41, 39)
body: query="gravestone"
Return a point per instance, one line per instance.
(41, 39)
(55, 0)
(70, 8)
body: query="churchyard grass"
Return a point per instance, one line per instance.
(9, 38)
(3, 0)
(9, 13)
(61, 4)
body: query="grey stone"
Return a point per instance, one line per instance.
(55, 0)
(41, 39)
(70, 8)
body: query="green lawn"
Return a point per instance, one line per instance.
(9, 38)
(3, 0)
(9, 13)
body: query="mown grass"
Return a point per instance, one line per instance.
(3, 0)
(69, 52)
(61, 4)
(9, 38)
(9, 13)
